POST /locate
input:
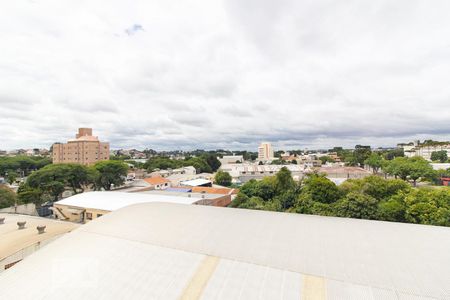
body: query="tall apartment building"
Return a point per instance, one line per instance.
(265, 151)
(85, 149)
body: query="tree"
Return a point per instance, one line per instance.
(326, 158)
(27, 194)
(212, 161)
(12, 177)
(375, 186)
(51, 180)
(306, 205)
(200, 164)
(361, 153)
(110, 173)
(391, 154)
(321, 189)
(428, 206)
(79, 176)
(7, 197)
(284, 180)
(374, 161)
(357, 205)
(393, 209)
(350, 160)
(409, 168)
(440, 156)
(223, 178)
(419, 168)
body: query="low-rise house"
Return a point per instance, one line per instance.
(158, 183)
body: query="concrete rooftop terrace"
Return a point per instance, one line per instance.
(173, 251)
(12, 239)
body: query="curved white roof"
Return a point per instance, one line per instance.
(114, 200)
(171, 251)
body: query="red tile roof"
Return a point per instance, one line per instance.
(156, 180)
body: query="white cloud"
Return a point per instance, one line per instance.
(224, 74)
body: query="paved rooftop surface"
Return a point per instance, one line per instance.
(12, 239)
(172, 251)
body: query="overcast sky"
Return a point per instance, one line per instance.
(224, 74)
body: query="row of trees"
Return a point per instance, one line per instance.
(372, 198)
(205, 163)
(15, 166)
(48, 183)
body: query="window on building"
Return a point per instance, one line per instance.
(88, 216)
(99, 215)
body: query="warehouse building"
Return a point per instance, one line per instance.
(173, 251)
(86, 207)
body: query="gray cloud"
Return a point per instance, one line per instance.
(225, 73)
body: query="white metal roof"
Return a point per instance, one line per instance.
(114, 200)
(171, 251)
(195, 182)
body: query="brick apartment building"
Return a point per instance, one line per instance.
(85, 149)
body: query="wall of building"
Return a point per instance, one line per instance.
(77, 214)
(24, 209)
(80, 152)
(11, 260)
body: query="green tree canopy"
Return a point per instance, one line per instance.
(321, 189)
(212, 161)
(326, 158)
(374, 161)
(361, 153)
(108, 173)
(7, 197)
(357, 205)
(222, 178)
(440, 156)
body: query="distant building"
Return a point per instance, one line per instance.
(85, 207)
(85, 149)
(241, 173)
(265, 152)
(231, 159)
(424, 150)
